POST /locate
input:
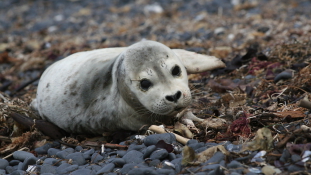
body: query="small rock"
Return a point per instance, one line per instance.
(22, 155)
(295, 157)
(294, 168)
(2, 172)
(87, 154)
(61, 168)
(121, 153)
(285, 156)
(196, 146)
(165, 171)
(216, 158)
(127, 167)
(234, 164)
(171, 156)
(136, 147)
(64, 153)
(287, 74)
(10, 169)
(43, 149)
(29, 161)
(154, 163)
(119, 162)
(78, 148)
(53, 152)
(3, 163)
(133, 157)
(142, 171)
(192, 141)
(155, 138)
(96, 157)
(47, 168)
(51, 161)
(77, 158)
(19, 172)
(159, 154)
(12, 163)
(83, 172)
(106, 169)
(210, 167)
(149, 150)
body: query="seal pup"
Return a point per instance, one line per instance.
(118, 88)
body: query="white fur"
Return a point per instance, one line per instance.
(99, 90)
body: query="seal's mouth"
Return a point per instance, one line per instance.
(178, 109)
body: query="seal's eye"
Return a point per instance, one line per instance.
(145, 84)
(176, 71)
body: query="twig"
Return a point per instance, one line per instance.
(160, 130)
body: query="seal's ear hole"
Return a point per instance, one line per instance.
(145, 84)
(176, 71)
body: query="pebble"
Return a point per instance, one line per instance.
(53, 151)
(283, 76)
(107, 168)
(234, 164)
(159, 154)
(77, 158)
(119, 162)
(87, 154)
(43, 149)
(96, 157)
(133, 157)
(142, 171)
(29, 161)
(12, 162)
(62, 154)
(3, 163)
(149, 150)
(153, 139)
(216, 158)
(2, 172)
(22, 155)
(47, 168)
(83, 172)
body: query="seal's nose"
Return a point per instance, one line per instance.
(173, 98)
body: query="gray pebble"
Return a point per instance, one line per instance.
(283, 76)
(96, 157)
(95, 168)
(136, 147)
(29, 161)
(154, 163)
(2, 172)
(43, 149)
(133, 157)
(22, 155)
(71, 168)
(62, 154)
(177, 164)
(142, 171)
(10, 169)
(77, 158)
(83, 172)
(217, 171)
(155, 138)
(293, 168)
(119, 162)
(171, 156)
(200, 149)
(78, 148)
(53, 151)
(3, 163)
(285, 156)
(196, 146)
(51, 161)
(149, 150)
(88, 154)
(216, 158)
(127, 167)
(19, 172)
(165, 171)
(107, 168)
(12, 162)
(61, 168)
(20, 166)
(192, 141)
(47, 168)
(295, 157)
(159, 154)
(234, 164)
(121, 153)
(210, 167)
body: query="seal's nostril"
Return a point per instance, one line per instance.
(173, 98)
(170, 98)
(177, 95)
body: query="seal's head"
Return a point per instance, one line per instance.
(153, 79)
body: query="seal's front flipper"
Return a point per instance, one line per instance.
(196, 63)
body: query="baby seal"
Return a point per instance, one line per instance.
(118, 88)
